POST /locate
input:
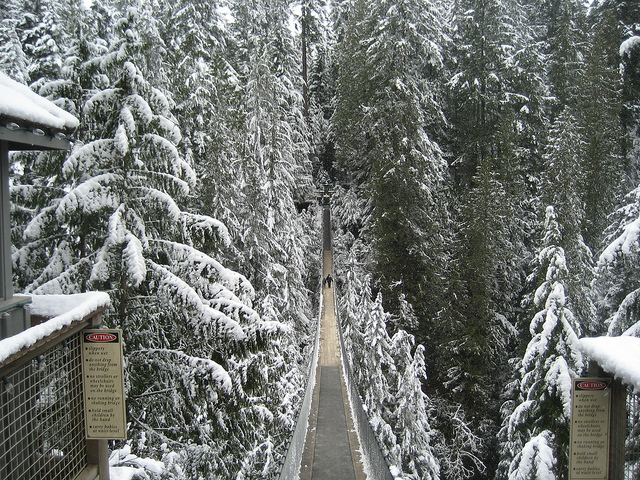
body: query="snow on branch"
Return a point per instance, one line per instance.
(536, 460)
(167, 200)
(90, 196)
(105, 95)
(204, 365)
(85, 157)
(142, 176)
(195, 257)
(141, 107)
(169, 128)
(63, 278)
(204, 222)
(626, 243)
(180, 167)
(34, 228)
(186, 295)
(133, 258)
(618, 319)
(558, 378)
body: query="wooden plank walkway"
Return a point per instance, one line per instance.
(331, 449)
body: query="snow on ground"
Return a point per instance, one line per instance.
(617, 355)
(62, 310)
(19, 102)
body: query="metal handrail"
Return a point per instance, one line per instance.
(376, 465)
(290, 468)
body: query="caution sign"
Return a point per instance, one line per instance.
(589, 433)
(103, 379)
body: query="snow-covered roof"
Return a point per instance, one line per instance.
(619, 356)
(63, 310)
(19, 104)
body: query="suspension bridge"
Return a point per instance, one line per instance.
(333, 439)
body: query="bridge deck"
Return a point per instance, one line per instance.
(331, 449)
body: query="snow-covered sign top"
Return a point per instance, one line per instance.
(617, 355)
(20, 104)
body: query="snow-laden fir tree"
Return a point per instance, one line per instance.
(12, 57)
(387, 123)
(562, 180)
(617, 282)
(270, 162)
(40, 42)
(205, 89)
(389, 372)
(410, 410)
(535, 435)
(194, 345)
(270, 172)
(599, 107)
(37, 182)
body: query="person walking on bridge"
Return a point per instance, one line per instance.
(329, 280)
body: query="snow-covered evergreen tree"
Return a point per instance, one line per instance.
(270, 163)
(389, 373)
(617, 280)
(599, 108)
(205, 89)
(562, 181)
(410, 410)
(196, 349)
(12, 57)
(535, 433)
(41, 46)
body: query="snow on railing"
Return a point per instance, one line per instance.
(42, 431)
(60, 312)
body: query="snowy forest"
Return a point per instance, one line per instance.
(484, 162)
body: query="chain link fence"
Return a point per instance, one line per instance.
(632, 442)
(42, 416)
(291, 466)
(375, 463)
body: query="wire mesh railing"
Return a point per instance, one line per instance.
(293, 460)
(42, 416)
(42, 425)
(376, 465)
(632, 442)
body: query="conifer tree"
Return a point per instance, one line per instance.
(561, 186)
(195, 346)
(386, 130)
(535, 433)
(12, 57)
(616, 283)
(565, 21)
(410, 411)
(41, 47)
(599, 112)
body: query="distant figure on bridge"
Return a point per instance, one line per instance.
(328, 280)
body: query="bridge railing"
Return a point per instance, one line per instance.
(291, 466)
(42, 430)
(375, 463)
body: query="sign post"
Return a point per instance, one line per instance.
(589, 432)
(103, 379)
